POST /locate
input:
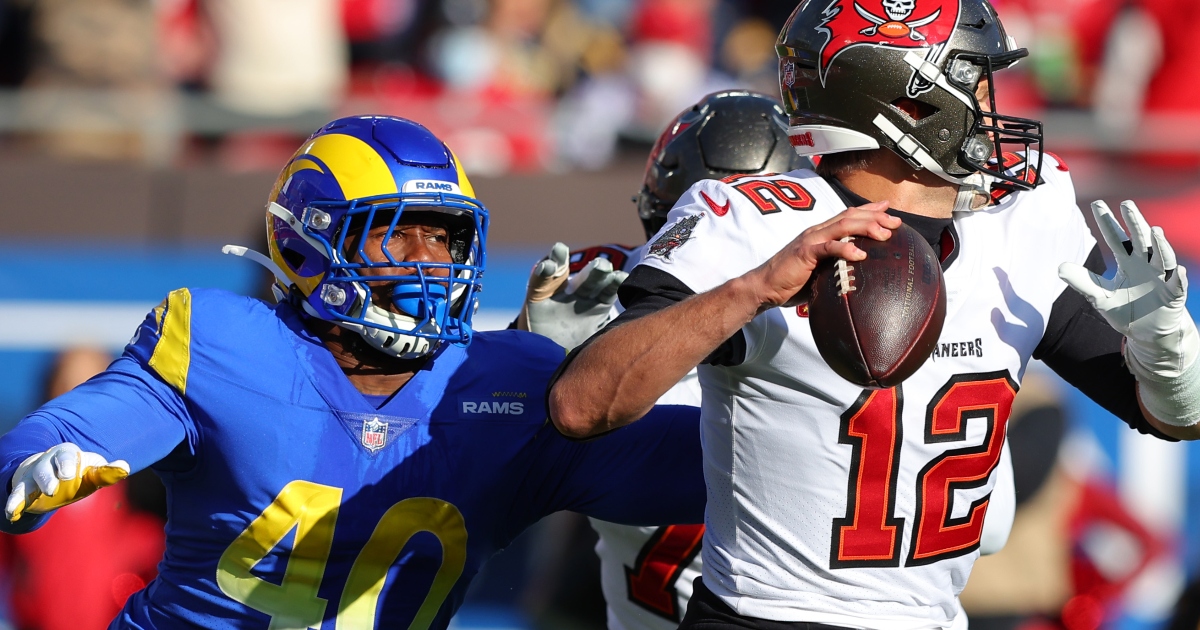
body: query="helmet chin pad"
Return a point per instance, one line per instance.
(392, 343)
(422, 306)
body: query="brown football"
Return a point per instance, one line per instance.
(875, 322)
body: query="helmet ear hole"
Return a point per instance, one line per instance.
(914, 109)
(293, 258)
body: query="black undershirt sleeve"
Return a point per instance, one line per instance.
(649, 290)
(1085, 351)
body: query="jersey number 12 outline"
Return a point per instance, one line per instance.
(651, 580)
(312, 509)
(869, 535)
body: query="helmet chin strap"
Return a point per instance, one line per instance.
(975, 193)
(392, 344)
(281, 281)
(974, 190)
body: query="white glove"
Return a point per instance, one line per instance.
(1146, 302)
(1146, 299)
(62, 475)
(569, 309)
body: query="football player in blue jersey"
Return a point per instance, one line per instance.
(349, 457)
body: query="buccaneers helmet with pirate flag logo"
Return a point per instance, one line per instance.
(902, 74)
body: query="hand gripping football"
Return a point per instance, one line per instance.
(876, 321)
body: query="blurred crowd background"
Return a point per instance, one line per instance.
(137, 136)
(515, 85)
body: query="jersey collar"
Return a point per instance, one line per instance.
(939, 233)
(416, 399)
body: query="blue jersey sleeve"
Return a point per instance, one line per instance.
(129, 411)
(647, 473)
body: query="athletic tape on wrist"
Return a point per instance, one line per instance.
(1171, 400)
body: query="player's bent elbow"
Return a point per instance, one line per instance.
(568, 418)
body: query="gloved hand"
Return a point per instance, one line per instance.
(569, 309)
(1145, 300)
(62, 475)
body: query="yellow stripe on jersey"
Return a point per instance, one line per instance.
(173, 352)
(159, 311)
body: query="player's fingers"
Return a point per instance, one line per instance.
(1166, 262)
(876, 212)
(589, 282)
(1083, 281)
(841, 248)
(873, 207)
(107, 475)
(858, 212)
(609, 294)
(554, 263)
(1164, 259)
(871, 224)
(545, 268)
(17, 500)
(548, 274)
(541, 287)
(1139, 230)
(545, 280)
(560, 253)
(1114, 235)
(867, 226)
(44, 475)
(67, 460)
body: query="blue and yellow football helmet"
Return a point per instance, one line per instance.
(369, 171)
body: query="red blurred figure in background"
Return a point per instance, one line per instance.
(103, 548)
(684, 22)
(1173, 93)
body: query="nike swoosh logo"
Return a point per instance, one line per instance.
(717, 210)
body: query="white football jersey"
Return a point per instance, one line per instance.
(646, 572)
(862, 508)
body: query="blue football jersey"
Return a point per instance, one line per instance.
(295, 503)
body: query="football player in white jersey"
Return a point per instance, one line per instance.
(647, 572)
(834, 506)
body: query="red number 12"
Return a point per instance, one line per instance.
(652, 580)
(869, 535)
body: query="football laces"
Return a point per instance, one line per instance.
(845, 273)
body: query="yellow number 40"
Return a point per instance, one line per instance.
(312, 509)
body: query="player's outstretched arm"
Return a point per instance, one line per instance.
(59, 476)
(1145, 301)
(569, 308)
(618, 377)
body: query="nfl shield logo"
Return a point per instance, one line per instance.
(789, 73)
(374, 434)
